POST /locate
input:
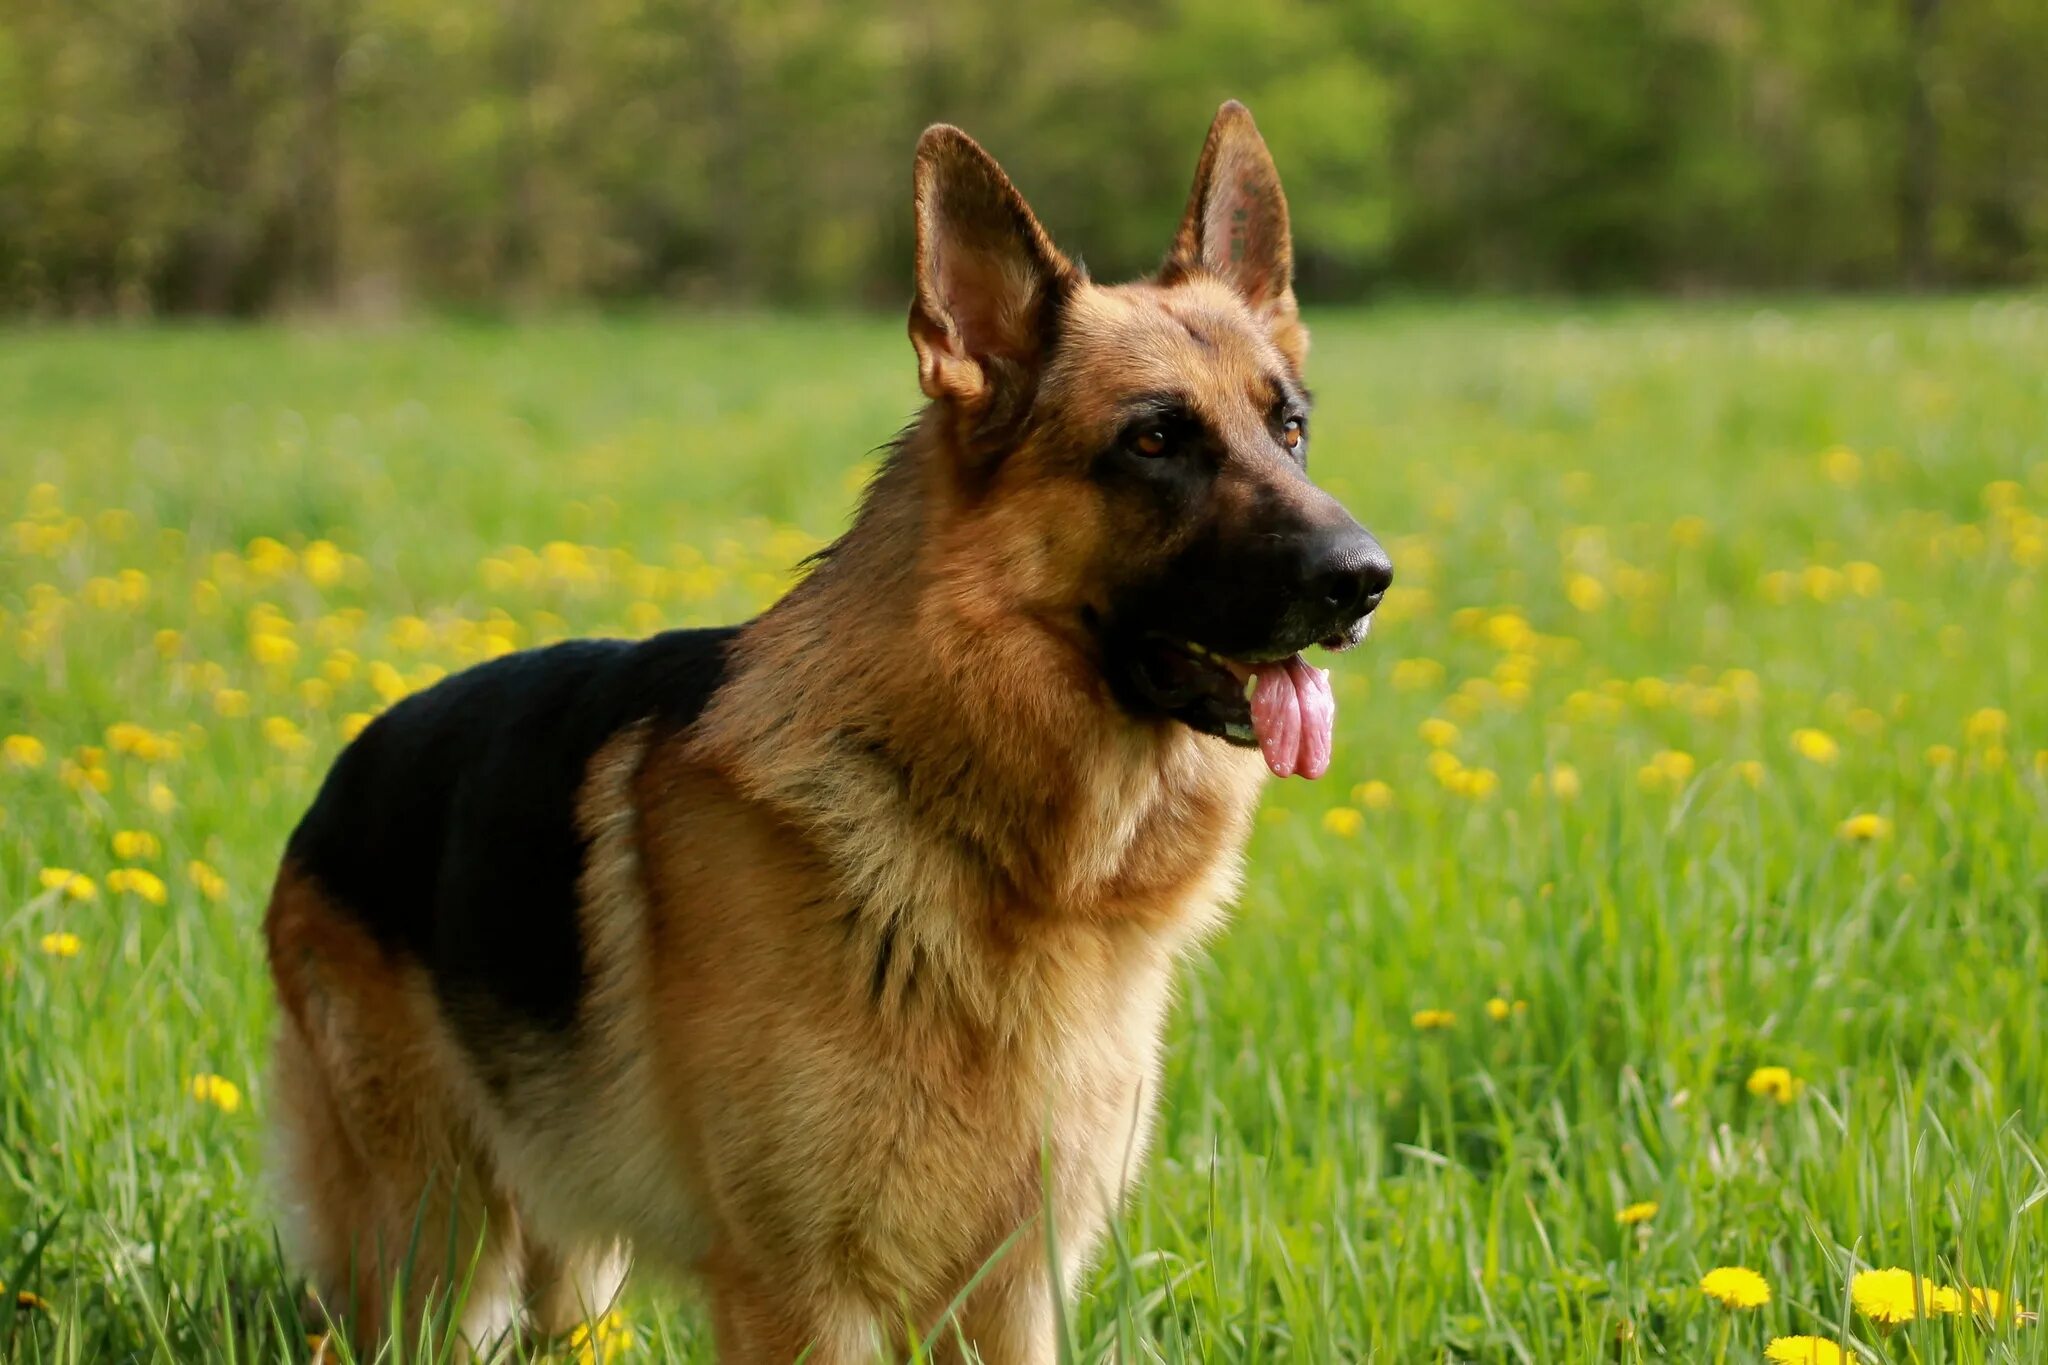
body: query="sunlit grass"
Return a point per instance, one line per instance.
(1675, 904)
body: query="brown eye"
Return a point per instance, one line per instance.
(1151, 442)
(1292, 433)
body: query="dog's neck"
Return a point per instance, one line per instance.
(951, 747)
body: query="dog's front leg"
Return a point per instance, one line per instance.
(758, 1323)
(1007, 1320)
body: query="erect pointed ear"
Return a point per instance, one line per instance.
(989, 279)
(1235, 228)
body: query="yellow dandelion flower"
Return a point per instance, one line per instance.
(1641, 1212)
(1843, 466)
(1564, 782)
(1865, 828)
(24, 751)
(27, 1302)
(1498, 1009)
(210, 883)
(218, 1091)
(323, 563)
(1893, 1296)
(137, 881)
(1986, 726)
(1989, 1303)
(1433, 1021)
(603, 1340)
(284, 734)
(1585, 592)
(1774, 1083)
(1438, 733)
(1734, 1286)
(1676, 765)
(1816, 746)
(1374, 795)
(1939, 755)
(354, 723)
(1478, 783)
(1806, 1351)
(1751, 772)
(132, 845)
(1343, 821)
(76, 885)
(231, 702)
(1417, 675)
(60, 944)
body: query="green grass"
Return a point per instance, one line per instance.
(1818, 517)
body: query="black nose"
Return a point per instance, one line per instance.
(1347, 571)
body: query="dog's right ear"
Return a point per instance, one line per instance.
(988, 276)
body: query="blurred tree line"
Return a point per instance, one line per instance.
(247, 155)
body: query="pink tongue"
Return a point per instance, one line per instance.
(1293, 711)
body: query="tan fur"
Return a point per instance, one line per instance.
(885, 936)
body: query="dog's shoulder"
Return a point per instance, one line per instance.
(448, 827)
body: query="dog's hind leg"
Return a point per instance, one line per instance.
(565, 1289)
(391, 1206)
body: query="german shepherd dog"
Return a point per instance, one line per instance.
(825, 957)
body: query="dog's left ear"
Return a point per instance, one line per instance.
(988, 276)
(1235, 228)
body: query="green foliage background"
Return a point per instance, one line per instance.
(243, 155)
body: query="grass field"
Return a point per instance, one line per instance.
(1705, 733)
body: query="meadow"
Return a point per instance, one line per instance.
(1678, 899)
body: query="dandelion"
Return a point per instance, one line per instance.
(132, 845)
(323, 563)
(28, 1302)
(1641, 1212)
(1374, 795)
(1865, 828)
(1676, 765)
(24, 751)
(75, 885)
(1343, 821)
(1939, 755)
(231, 702)
(1893, 1296)
(1585, 592)
(284, 734)
(1774, 1083)
(1734, 1286)
(1417, 675)
(1989, 1303)
(139, 882)
(1843, 466)
(603, 1340)
(1498, 1009)
(354, 723)
(61, 944)
(1751, 772)
(1816, 746)
(1438, 733)
(1564, 782)
(209, 883)
(1986, 726)
(218, 1091)
(1806, 1351)
(1433, 1021)
(1477, 783)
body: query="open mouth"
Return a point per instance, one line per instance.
(1281, 705)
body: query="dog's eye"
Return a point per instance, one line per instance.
(1150, 441)
(1293, 432)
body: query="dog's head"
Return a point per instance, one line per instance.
(1135, 458)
